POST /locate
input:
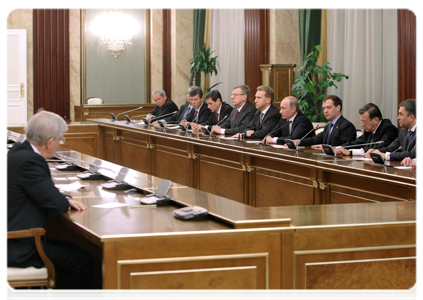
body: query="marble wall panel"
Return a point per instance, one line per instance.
(156, 49)
(74, 60)
(284, 37)
(181, 44)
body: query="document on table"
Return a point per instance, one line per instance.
(69, 187)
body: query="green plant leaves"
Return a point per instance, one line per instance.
(311, 85)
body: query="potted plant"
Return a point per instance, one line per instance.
(204, 62)
(311, 85)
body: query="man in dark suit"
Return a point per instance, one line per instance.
(242, 112)
(163, 105)
(339, 130)
(32, 198)
(266, 117)
(405, 144)
(200, 112)
(375, 128)
(293, 124)
(183, 112)
(220, 110)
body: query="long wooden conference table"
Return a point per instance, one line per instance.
(326, 246)
(253, 174)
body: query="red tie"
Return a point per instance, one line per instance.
(237, 112)
(217, 117)
(196, 114)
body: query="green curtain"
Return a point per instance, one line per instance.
(198, 39)
(310, 26)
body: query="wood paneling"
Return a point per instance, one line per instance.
(406, 55)
(167, 66)
(256, 45)
(51, 61)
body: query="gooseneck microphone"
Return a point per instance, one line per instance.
(372, 143)
(163, 116)
(274, 130)
(114, 118)
(290, 143)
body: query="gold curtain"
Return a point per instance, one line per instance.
(207, 41)
(323, 55)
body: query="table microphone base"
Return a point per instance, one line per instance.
(67, 167)
(89, 176)
(113, 185)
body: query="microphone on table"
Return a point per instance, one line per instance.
(118, 183)
(371, 143)
(129, 120)
(114, 118)
(159, 197)
(70, 164)
(19, 140)
(275, 129)
(206, 130)
(162, 116)
(378, 159)
(163, 123)
(290, 143)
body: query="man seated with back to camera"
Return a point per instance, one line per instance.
(337, 132)
(163, 106)
(293, 124)
(376, 129)
(405, 144)
(219, 110)
(266, 117)
(200, 112)
(32, 198)
(242, 112)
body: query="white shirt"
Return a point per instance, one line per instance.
(275, 139)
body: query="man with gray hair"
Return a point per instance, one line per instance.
(163, 105)
(32, 198)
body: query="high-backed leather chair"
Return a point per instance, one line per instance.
(32, 277)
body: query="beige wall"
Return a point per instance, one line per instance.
(284, 48)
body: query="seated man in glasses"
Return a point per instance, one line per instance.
(376, 129)
(32, 198)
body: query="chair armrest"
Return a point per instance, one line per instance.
(36, 233)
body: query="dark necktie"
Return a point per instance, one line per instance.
(261, 117)
(217, 117)
(196, 115)
(373, 136)
(237, 113)
(410, 135)
(330, 131)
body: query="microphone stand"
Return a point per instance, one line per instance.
(115, 118)
(275, 129)
(291, 144)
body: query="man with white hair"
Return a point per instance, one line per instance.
(32, 198)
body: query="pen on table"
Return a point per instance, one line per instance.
(143, 206)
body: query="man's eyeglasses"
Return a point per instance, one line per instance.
(237, 95)
(61, 141)
(365, 122)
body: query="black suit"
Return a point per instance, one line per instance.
(168, 107)
(342, 132)
(31, 199)
(386, 132)
(235, 124)
(178, 117)
(271, 118)
(203, 114)
(299, 128)
(225, 110)
(406, 150)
